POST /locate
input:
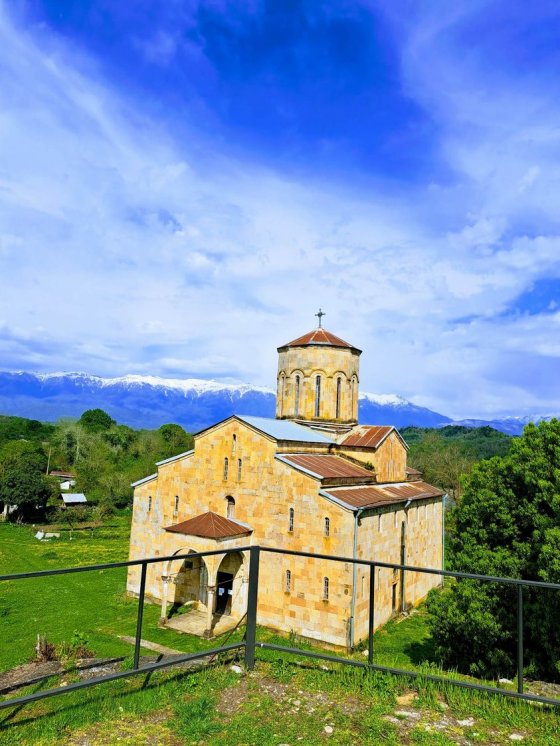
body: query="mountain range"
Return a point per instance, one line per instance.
(148, 402)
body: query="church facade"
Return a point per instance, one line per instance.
(310, 480)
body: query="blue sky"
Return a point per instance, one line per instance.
(183, 184)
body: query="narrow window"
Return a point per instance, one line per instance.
(230, 507)
(379, 522)
(239, 467)
(176, 510)
(338, 385)
(298, 381)
(233, 443)
(327, 526)
(149, 503)
(325, 589)
(226, 467)
(291, 521)
(317, 396)
(288, 582)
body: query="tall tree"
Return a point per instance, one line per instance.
(508, 524)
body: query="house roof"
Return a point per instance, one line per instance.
(76, 497)
(410, 470)
(210, 526)
(368, 436)
(285, 430)
(319, 337)
(325, 465)
(372, 496)
(63, 474)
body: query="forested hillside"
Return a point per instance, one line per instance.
(105, 457)
(446, 454)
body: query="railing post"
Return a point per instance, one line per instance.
(252, 598)
(140, 616)
(520, 639)
(371, 612)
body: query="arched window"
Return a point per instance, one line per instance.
(288, 581)
(230, 506)
(327, 526)
(176, 508)
(149, 503)
(226, 467)
(281, 388)
(291, 521)
(297, 393)
(338, 387)
(317, 396)
(233, 443)
(325, 589)
(239, 467)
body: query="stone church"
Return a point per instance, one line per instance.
(311, 480)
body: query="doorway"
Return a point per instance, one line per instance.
(224, 592)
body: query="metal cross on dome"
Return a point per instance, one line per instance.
(320, 316)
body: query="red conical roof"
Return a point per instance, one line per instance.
(319, 337)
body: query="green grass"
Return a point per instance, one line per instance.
(93, 603)
(271, 706)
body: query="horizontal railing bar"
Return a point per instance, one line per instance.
(412, 674)
(413, 568)
(311, 654)
(274, 550)
(16, 701)
(113, 565)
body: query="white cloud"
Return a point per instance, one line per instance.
(136, 255)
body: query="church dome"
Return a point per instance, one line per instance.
(319, 337)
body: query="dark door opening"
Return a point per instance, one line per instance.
(224, 592)
(394, 598)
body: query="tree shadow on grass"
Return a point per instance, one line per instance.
(423, 651)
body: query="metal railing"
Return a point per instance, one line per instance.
(250, 644)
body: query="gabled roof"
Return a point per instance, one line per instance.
(285, 430)
(210, 526)
(372, 496)
(325, 466)
(175, 458)
(320, 337)
(62, 474)
(369, 436)
(144, 480)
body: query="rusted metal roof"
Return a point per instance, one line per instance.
(325, 466)
(367, 436)
(410, 470)
(210, 526)
(371, 496)
(319, 337)
(63, 474)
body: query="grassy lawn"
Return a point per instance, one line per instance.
(92, 603)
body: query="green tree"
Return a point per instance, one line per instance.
(507, 524)
(96, 421)
(175, 440)
(22, 478)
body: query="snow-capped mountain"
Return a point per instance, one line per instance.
(148, 401)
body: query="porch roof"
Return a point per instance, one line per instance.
(210, 526)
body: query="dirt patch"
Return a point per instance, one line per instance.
(231, 699)
(130, 730)
(407, 699)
